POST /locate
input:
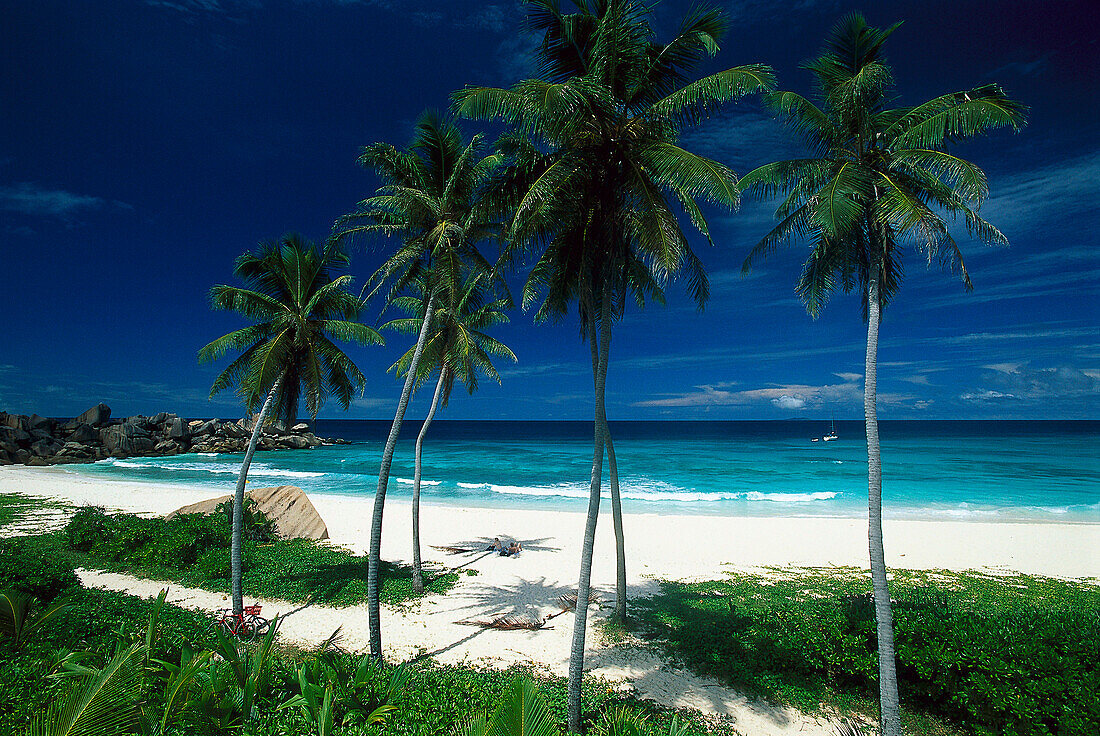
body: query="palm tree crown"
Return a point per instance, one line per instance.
(879, 178)
(457, 341)
(299, 308)
(598, 176)
(432, 200)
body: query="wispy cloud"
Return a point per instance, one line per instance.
(1042, 384)
(1036, 334)
(1023, 67)
(791, 397)
(30, 199)
(742, 138)
(1029, 201)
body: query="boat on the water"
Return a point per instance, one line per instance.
(832, 435)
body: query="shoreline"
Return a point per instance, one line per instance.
(656, 543)
(729, 509)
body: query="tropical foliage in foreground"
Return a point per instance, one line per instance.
(166, 671)
(993, 654)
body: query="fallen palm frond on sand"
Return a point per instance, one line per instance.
(508, 623)
(568, 601)
(456, 550)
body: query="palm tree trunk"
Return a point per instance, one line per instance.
(580, 621)
(418, 577)
(616, 504)
(890, 715)
(235, 572)
(374, 616)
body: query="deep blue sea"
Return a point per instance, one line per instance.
(1048, 471)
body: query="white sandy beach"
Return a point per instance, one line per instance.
(658, 546)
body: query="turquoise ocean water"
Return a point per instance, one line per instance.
(1045, 471)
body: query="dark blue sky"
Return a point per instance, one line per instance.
(145, 144)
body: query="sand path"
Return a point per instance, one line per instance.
(430, 629)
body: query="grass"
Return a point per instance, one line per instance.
(15, 508)
(437, 698)
(193, 550)
(977, 653)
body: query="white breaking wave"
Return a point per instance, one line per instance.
(258, 469)
(791, 497)
(410, 482)
(656, 492)
(474, 485)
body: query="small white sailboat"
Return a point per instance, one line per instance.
(832, 435)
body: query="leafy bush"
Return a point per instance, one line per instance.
(36, 566)
(193, 549)
(997, 655)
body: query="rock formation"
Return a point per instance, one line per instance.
(287, 506)
(93, 435)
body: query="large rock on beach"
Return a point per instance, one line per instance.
(84, 433)
(97, 415)
(175, 429)
(288, 506)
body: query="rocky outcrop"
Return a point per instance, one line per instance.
(288, 506)
(93, 435)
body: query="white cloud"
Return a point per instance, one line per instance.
(986, 395)
(849, 376)
(789, 402)
(795, 396)
(31, 199)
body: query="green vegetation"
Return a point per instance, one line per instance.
(166, 674)
(194, 550)
(990, 654)
(14, 507)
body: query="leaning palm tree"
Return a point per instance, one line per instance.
(299, 308)
(431, 200)
(457, 348)
(879, 179)
(597, 178)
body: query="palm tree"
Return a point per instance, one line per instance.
(596, 179)
(299, 308)
(457, 348)
(431, 199)
(878, 179)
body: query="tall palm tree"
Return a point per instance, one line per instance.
(457, 348)
(878, 179)
(299, 308)
(431, 200)
(597, 178)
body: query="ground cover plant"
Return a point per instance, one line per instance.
(174, 683)
(194, 550)
(14, 506)
(991, 654)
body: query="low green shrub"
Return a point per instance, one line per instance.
(40, 567)
(1012, 655)
(193, 549)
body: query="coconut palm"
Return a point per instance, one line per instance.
(431, 200)
(878, 180)
(597, 179)
(299, 308)
(457, 348)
